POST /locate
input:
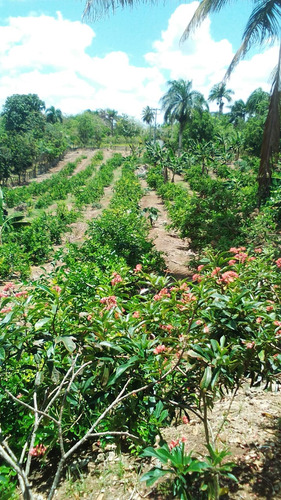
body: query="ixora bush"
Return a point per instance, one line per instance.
(120, 361)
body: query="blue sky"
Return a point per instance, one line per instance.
(124, 60)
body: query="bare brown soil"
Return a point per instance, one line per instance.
(250, 430)
(176, 251)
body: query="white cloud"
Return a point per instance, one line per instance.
(49, 56)
(205, 61)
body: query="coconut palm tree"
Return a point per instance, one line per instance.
(238, 112)
(111, 116)
(179, 102)
(257, 103)
(148, 115)
(218, 93)
(53, 115)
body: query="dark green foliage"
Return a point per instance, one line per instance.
(23, 112)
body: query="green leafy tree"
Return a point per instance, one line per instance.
(23, 113)
(218, 93)
(201, 128)
(179, 103)
(127, 127)
(23, 150)
(85, 128)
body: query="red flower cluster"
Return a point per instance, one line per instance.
(8, 287)
(278, 262)
(38, 451)
(188, 297)
(24, 293)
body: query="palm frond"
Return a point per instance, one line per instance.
(95, 9)
(202, 11)
(263, 25)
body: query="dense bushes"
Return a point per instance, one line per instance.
(131, 341)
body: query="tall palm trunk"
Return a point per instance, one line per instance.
(271, 138)
(181, 129)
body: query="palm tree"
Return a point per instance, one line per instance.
(53, 115)
(218, 93)
(148, 115)
(179, 102)
(238, 112)
(262, 26)
(111, 116)
(257, 103)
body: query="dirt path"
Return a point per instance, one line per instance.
(176, 250)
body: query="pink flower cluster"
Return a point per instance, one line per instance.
(215, 272)
(197, 277)
(116, 279)
(138, 268)
(185, 420)
(110, 301)
(159, 349)
(176, 442)
(8, 287)
(57, 289)
(278, 262)
(168, 328)
(23, 293)
(38, 451)
(163, 293)
(5, 310)
(237, 250)
(249, 345)
(228, 277)
(188, 297)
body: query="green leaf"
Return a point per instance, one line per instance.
(68, 343)
(41, 323)
(2, 354)
(197, 466)
(154, 474)
(206, 379)
(121, 369)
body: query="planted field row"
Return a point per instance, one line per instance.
(33, 243)
(42, 194)
(108, 352)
